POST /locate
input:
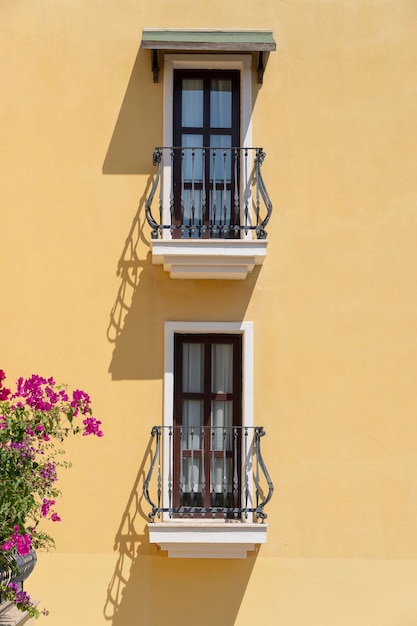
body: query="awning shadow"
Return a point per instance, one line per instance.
(134, 138)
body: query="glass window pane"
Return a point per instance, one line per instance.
(192, 159)
(191, 477)
(220, 210)
(192, 102)
(192, 367)
(221, 103)
(192, 424)
(222, 425)
(193, 212)
(222, 368)
(221, 160)
(222, 476)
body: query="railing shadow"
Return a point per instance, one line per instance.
(149, 589)
(128, 268)
(147, 297)
(130, 541)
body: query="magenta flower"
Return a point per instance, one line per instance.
(80, 402)
(48, 472)
(38, 415)
(22, 543)
(4, 393)
(46, 505)
(34, 422)
(92, 427)
(21, 599)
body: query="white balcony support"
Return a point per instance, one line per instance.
(187, 539)
(227, 259)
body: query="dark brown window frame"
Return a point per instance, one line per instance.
(207, 396)
(178, 130)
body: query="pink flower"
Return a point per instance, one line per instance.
(22, 543)
(4, 393)
(55, 517)
(92, 427)
(80, 402)
(46, 505)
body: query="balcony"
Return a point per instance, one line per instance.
(208, 210)
(207, 488)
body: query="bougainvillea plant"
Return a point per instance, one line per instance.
(35, 419)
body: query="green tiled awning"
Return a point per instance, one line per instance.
(209, 40)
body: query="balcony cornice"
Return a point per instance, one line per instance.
(227, 259)
(207, 539)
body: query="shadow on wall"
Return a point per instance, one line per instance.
(129, 269)
(139, 127)
(147, 297)
(136, 133)
(142, 589)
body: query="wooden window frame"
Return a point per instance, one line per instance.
(206, 130)
(246, 330)
(207, 396)
(200, 62)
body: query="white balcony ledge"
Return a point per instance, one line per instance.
(224, 259)
(207, 539)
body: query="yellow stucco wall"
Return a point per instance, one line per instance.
(334, 306)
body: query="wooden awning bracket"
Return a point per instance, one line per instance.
(155, 65)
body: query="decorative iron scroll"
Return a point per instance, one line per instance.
(235, 485)
(208, 193)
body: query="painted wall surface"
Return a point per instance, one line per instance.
(334, 306)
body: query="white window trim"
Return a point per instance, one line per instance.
(233, 328)
(184, 538)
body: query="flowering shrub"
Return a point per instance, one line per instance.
(34, 421)
(22, 600)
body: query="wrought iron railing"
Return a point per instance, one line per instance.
(208, 193)
(207, 472)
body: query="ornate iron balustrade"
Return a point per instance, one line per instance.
(208, 193)
(207, 472)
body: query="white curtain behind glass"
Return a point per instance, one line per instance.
(193, 414)
(221, 103)
(192, 102)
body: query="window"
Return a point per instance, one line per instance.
(208, 219)
(208, 104)
(207, 424)
(207, 483)
(206, 153)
